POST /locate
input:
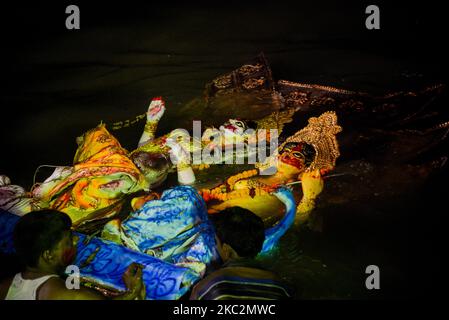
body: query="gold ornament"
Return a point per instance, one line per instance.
(150, 127)
(321, 134)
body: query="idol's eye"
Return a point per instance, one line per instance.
(239, 123)
(297, 154)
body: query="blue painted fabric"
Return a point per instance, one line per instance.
(174, 228)
(163, 281)
(7, 223)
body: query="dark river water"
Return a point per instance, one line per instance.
(60, 83)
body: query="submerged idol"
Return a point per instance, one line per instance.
(306, 156)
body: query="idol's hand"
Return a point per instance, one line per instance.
(138, 202)
(312, 184)
(156, 109)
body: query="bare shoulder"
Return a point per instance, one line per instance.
(55, 289)
(4, 287)
(50, 288)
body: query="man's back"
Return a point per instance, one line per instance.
(240, 281)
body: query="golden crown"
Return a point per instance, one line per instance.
(321, 134)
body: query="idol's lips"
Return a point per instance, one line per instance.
(230, 127)
(291, 161)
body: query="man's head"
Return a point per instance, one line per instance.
(44, 240)
(239, 233)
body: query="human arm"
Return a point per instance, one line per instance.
(4, 287)
(55, 288)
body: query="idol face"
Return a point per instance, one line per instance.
(297, 155)
(291, 154)
(234, 126)
(233, 129)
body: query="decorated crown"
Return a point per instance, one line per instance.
(320, 133)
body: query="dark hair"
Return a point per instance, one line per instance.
(241, 229)
(251, 124)
(38, 231)
(309, 153)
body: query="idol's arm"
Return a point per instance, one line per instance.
(155, 112)
(312, 185)
(181, 158)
